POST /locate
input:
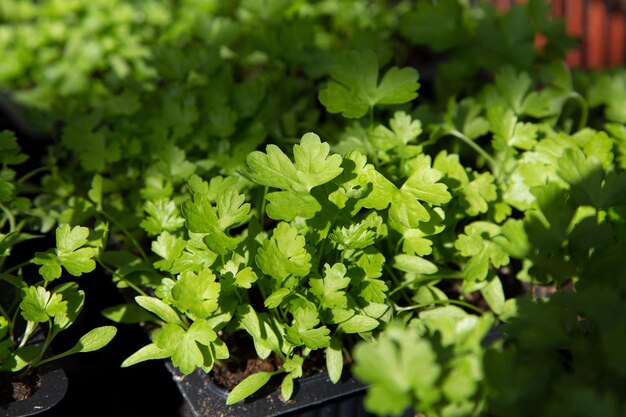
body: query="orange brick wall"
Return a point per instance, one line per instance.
(601, 30)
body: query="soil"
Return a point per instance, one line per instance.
(17, 388)
(244, 362)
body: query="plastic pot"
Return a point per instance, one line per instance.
(52, 389)
(314, 396)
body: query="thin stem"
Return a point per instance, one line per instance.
(127, 282)
(134, 287)
(128, 235)
(30, 327)
(401, 287)
(584, 109)
(9, 216)
(447, 275)
(18, 266)
(45, 346)
(434, 302)
(319, 254)
(492, 162)
(32, 173)
(4, 313)
(262, 207)
(397, 280)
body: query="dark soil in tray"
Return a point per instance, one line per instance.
(17, 387)
(244, 362)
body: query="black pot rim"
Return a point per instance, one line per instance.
(52, 388)
(205, 398)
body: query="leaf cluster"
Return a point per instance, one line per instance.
(403, 220)
(32, 311)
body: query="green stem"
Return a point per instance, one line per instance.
(447, 275)
(397, 280)
(262, 207)
(45, 346)
(9, 216)
(4, 313)
(584, 109)
(32, 173)
(319, 254)
(127, 282)
(128, 235)
(401, 287)
(30, 327)
(492, 162)
(18, 266)
(435, 302)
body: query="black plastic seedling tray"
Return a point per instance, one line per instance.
(314, 396)
(52, 389)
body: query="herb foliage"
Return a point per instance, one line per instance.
(303, 179)
(29, 303)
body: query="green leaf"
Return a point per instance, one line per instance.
(513, 87)
(305, 318)
(184, 345)
(159, 308)
(415, 243)
(286, 387)
(50, 265)
(4, 327)
(424, 184)
(95, 339)
(146, 353)
(232, 208)
(360, 235)
(169, 247)
(317, 338)
(39, 305)
(284, 254)
(20, 358)
(195, 257)
(265, 341)
(95, 192)
(162, 216)
(201, 217)
(508, 131)
(75, 300)
(399, 366)
(414, 264)
(494, 295)
(276, 298)
(313, 165)
(477, 243)
(439, 25)
(196, 294)
(359, 323)
(330, 290)
(245, 278)
(248, 386)
(69, 253)
(478, 193)
(74, 258)
(405, 128)
(365, 183)
(462, 381)
(355, 88)
(127, 314)
(334, 360)
(287, 205)
(10, 150)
